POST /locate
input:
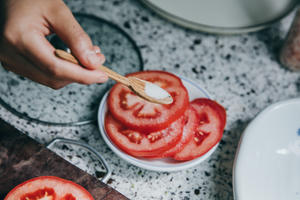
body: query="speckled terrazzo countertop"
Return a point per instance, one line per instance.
(241, 72)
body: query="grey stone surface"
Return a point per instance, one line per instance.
(241, 72)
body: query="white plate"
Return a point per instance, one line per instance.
(223, 16)
(267, 164)
(195, 91)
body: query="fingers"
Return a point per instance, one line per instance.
(21, 66)
(25, 50)
(98, 51)
(67, 28)
(40, 51)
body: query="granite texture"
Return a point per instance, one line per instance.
(241, 72)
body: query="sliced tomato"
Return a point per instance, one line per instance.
(48, 188)
(190, 125)
(209, 131)
(139, 114)
(140, 144)
(215, 105)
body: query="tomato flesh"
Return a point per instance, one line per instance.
(139, 114)
(190, 125)
(48, 188)
(46, 193)
(68, 197)
(208, 132)
(142, 144)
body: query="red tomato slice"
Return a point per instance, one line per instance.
(140, 144)
(190, 125)
(209, 131)
(220, 109)
(141, 115)
(48, 188)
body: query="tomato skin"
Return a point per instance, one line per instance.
(144, 147)
(211, 123)
(131, 113)
(35, 187)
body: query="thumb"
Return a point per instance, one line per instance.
(68, 29)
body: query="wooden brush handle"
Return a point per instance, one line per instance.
(111, 74)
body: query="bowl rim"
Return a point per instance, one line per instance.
(249, 127)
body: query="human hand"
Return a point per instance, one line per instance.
(25, 50)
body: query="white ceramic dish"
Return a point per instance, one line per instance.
(267, 164)
(226, 17)
(195, 91)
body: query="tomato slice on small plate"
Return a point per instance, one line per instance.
(164, 164)
(142, 115)
(48, 188)
(139, 144)
(211, 118)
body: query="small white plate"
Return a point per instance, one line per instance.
(195, 91)
(223, 16)
(267, 164)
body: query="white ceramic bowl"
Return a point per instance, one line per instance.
(166, 164)
(224, 17)
(267, 164)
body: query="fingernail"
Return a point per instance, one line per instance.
(94, 58)
(103, 78)
(97, 51)
(102, 58)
